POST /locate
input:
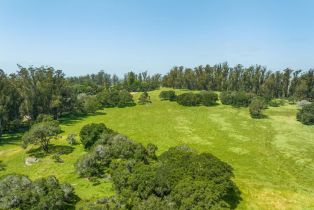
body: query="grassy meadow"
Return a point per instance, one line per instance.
(272, 157)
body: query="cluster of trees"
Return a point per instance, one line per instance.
(19, 192)
(115, 98)
(30, 92)
(178, 179)
(43, 90)
(131, 81)
(105, 147)
(256, 79)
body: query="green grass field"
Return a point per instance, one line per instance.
(272, 157)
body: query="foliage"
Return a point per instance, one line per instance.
(111, 147)
(256, 79)
(237, 99)
(181, 179)
(302, 103)
(71, 139)
(189, 99)
(256, 107)
(306, 114)
(115, 98)
(208, 98)
(19, 192)
(276, 102)
(87, 103)
(41, 133)
(168, 95)
(144, 98)
(57, 158)
(90, 133)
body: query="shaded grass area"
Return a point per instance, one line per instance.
(272, 157)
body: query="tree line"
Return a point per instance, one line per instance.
(293, 84)
(32, 91)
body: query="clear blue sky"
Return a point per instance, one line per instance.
(83, 37)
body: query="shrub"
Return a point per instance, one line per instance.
(276, 102)
(256, 107)
(302, 103)
(144, 98)
(237, 99)
(19, 192)
(71, 139)
(90, 133)
(189, 99)
(57, 158)
(306, 114)
(208, 98)
(115, 98)
(168, 95)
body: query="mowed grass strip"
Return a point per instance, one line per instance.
(272, 157)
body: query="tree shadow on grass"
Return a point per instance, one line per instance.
(71, 119)
(53, 149)
(2, 166)
(11, 139)
(234, 198)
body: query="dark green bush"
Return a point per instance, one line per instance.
(115, 98)
(306, 114)
(189, 99)
(144, 98)
(90, 133)
(208, 98)
(256, 107)
(168, 95)
(237, 99)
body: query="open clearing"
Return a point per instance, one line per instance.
(272, 157)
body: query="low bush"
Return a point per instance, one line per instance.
(189, 99)
(208, 98)
(236, 98)
(144, 98)
(168, 95)
(306, 114)
(256, 107)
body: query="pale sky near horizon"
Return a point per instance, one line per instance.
(117, 36)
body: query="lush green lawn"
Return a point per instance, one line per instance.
(272, 157)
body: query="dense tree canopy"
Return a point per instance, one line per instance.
(19, 192)
(179, 178)
(115, 98)
(255, 79)
(90, 133)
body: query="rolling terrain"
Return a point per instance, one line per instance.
(272, 157)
